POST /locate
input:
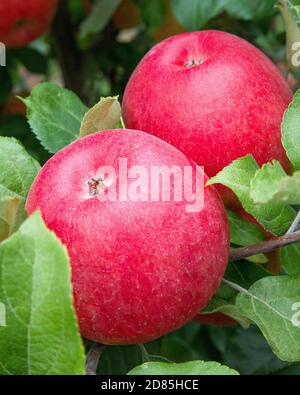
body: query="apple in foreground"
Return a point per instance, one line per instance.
(212, 95)
(23, 21)
(140, 267)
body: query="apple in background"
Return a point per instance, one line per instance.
(140, 269)
(212, 95)
(215, 319)
(127, 15)
(14, 105)
(23, 21)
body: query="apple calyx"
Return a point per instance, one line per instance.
(21, 23)
(193, 62)
(96, 186)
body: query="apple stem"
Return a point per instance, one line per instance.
(193, 63)
(92, 359)
(266, 246)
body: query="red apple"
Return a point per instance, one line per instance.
(140, 268)
(215, 319)
(212, 95)
(23, 21)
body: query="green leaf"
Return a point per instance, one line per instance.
(102, 11)
(153, 13)
(251, 9)
(175, 349)
(227, 307)
(190, 342)
(9, 209)
(220, 337)
(259, 258)
(290, 370)
(197, 13)
(33, 60)
(187, 368)
(291, 131)
(271, 186)
(6, 84)
(248, 352)
(224, 301)
(119, 359)
(242, 232)
(244, 273)
(275, 218)
(103, 116)
(17, 169)
(116, 360)
(17, 172)
(55, 115)
(16, 125)
(41, 334)
(270, 303)
(290, 259)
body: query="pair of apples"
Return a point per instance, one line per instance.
(143, 268)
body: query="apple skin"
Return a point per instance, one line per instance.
(139, 269)
(23, 21)
(228, 106)
(214, 319)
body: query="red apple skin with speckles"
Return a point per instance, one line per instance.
(23, 21)
(140, 269)
(228, 106)
(215, 319)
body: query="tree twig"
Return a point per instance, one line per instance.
(68, 53)
(92, 359)
(264, 247)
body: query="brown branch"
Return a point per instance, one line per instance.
(68, 53)
(264, 247)
(87, 5)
